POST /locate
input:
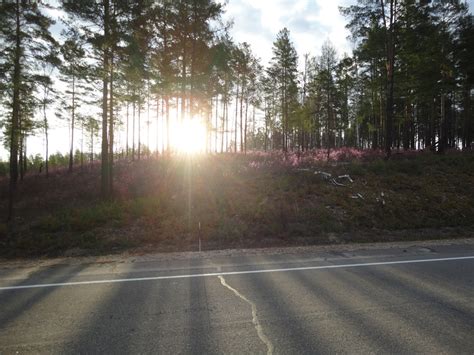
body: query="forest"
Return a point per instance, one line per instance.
(189, 132)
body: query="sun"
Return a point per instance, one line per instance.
(189, 136)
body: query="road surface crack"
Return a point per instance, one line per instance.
(255, 320)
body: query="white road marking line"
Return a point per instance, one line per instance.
(228, 273)
(255, 320)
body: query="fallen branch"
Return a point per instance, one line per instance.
(335, 182)
(323, 174)
(345, 177)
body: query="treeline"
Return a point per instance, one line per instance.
(413, 87)
(35, 164)
(408, 84)
(125, 64)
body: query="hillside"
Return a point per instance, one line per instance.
(254, 200)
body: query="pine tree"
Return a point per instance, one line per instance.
(103, 37)
(284, 68)
(48, 96)
(25, 38)
(73, 72)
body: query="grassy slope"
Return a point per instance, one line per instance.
(245, 201)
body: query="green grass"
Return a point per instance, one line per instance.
(80, 219)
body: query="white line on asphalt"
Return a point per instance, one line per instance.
(227, 273)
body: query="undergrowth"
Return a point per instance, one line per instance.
(259, 199)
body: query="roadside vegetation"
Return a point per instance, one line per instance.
(254, 200)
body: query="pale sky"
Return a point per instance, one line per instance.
(310, 22)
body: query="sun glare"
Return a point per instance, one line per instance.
(189, 136)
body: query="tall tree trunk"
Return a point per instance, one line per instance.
(217, 124)
(208, 127)
(191, 71)
(412, 128)
(467, 124)
(241, 119)
(20, 154)
(148, 122)
(15, 117)
(432, 123)
(139, 128)
(220, 130)
(165, 90)
(245, 124)
(265, 143)
(126, 130)
(111, 126)
(224, 118)
(443, 127)
(390, 63)
(46, 140)
(133, 129)
(236, 117)
(407, 126)
(162, 126)
(375, 139)
(183, 83)
(24, 159)
(328, 121)
(157, 145)
(168, 151)
(105, 71)
(253, 128)
(283, 115)
(92, 145)
(73, 111)
(82, 146)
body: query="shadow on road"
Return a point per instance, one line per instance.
(16, 302)
(120, 318)
(277, 313)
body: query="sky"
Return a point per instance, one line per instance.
(310, 22)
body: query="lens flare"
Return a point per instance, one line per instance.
(189, 136)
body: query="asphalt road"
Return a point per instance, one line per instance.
(387, 300)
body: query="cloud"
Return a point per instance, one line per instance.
(310, 23)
